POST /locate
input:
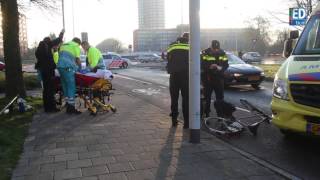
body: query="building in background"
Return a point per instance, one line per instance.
(84, 36)
(23, 38)
(157, 40)
(151, 14)
(153, 37)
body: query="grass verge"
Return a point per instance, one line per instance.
(270, 70)
(30, 80)
(13, 131)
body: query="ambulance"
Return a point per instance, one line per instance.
(296, 91)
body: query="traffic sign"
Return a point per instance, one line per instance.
(297, 16)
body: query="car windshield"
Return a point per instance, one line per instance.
(106, 56)
(309, 42)
(232, 59)
(255, 54)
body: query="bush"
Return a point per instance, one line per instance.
(31, 81)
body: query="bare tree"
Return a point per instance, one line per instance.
(277, 46)
(111, 45)
(307, 4)
(11, 48)
(257, 34)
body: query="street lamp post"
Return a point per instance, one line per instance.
(63, 23)
(194, 68)
(72, 18)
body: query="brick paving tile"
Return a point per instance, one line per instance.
(137, 142)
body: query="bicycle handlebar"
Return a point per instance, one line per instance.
(253, 108)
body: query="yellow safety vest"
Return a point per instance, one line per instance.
(212, 58)
(94, 55)
(55, 56)
(177, 46)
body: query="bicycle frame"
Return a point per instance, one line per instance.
(253, 127)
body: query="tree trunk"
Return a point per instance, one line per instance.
(12, 57)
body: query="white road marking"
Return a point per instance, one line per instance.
(129, 78)
(241, 109)
(149, 91)
(163, 87)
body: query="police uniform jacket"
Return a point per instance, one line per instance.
(178, 58)
(208, 57)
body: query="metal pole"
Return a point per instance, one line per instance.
(63, 22)
(236, 33)
(194, 75)
(73, 18)
(181, 11)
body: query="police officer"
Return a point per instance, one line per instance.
(178, 68)
(94, 56)
(45, 65)
(214, 62)
(68, 64)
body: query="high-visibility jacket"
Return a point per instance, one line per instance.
(178, 58)
(55, 56)
(68, 54)
(209, 57)
(95, 59)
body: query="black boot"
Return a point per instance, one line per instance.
(72, 110)
(174, 122)
(174, 119)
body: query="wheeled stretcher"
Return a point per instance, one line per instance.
(94, 89)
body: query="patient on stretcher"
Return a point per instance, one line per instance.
(101, 74)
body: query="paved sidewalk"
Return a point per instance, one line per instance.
(135, 143)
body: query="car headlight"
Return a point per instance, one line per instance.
(237, 75)
(280, 89)
(262, 73)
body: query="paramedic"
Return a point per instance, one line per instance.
(94, 56)
(68, 64)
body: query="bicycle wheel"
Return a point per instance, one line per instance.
(216, 125)
(254, 109)
(223, 126)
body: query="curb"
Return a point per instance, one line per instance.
(277, 170)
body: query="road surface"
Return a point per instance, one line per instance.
(297, 155)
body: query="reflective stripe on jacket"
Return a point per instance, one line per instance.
(177, 46)
(178, 58)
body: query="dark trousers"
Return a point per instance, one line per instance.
(48, 92)
(216, 85)
(179, 82)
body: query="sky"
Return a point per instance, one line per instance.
(118, 18)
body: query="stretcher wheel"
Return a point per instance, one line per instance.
(93, 113)
(113, 109)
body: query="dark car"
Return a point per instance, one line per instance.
(240, 73)
(2, 66)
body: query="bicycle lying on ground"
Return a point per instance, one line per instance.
(234, 125)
